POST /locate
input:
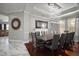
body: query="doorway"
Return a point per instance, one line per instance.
(4, 26)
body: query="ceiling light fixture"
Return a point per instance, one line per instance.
(54, 5)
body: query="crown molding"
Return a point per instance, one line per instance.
(10, 12)
(32, 14)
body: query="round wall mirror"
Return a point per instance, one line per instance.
(16, 23)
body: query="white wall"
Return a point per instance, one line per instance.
(33, 19)
(26, 26)
(54, 26)
(4, 18)
(16, 34)
(29, 24)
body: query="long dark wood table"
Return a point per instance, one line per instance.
(43, 52)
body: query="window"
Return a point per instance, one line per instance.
(71, 24)
(62, 26)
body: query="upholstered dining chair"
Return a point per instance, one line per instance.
(54, 44)
(69, 40)
(72, 38)
(62, 40)
(39, 40)
(33, 39)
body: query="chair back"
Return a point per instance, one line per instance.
(69, 41)
(62, 39)
(33, 39)
(70, 37)
(37, 35)
(55, 41)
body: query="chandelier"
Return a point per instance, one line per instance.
(54, 5)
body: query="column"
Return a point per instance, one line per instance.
(66, 24)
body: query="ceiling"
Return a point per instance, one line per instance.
(42, 9)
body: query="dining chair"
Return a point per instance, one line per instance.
(33, 39)
(69, 40)
(54, 45)
(62, 41)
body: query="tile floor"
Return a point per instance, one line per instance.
(10, 48)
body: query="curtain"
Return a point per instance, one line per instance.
(76, 37)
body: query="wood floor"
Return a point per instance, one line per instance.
(46, 52)
(75, 51)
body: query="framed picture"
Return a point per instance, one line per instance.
(41, 24)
